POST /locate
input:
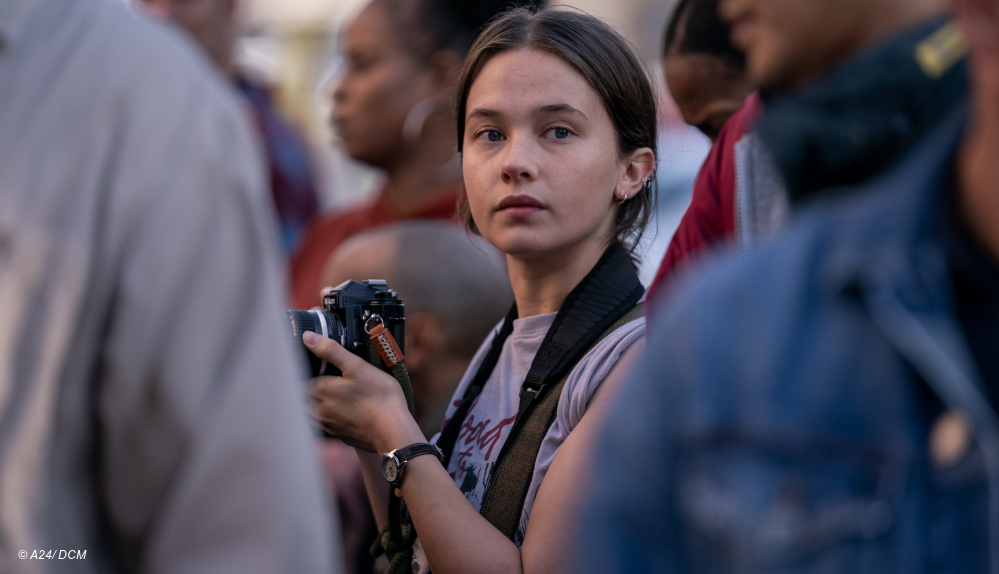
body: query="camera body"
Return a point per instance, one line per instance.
(348, 312)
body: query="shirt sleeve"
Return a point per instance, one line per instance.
(205, 455)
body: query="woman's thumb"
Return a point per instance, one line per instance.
(329, 350)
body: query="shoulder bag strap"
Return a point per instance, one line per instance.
(503, 503)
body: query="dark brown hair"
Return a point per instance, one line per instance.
(701, 31)
(610, 66)
(428, 26)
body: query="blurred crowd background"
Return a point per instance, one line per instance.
(292, 45)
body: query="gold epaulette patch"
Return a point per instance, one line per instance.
(940, 51)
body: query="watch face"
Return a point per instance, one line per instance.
(390, 469)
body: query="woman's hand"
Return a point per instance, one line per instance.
(365, 407)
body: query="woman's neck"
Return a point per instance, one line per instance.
(541, 284)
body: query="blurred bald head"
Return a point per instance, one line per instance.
(455, 289)
(436, 268)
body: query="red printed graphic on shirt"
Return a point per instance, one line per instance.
(481, 439)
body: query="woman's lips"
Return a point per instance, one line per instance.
(519, 205)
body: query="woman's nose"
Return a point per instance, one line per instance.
(519, 162)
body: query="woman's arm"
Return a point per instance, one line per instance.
(366, 409)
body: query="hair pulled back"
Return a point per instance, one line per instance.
(610, 66)
(429, 26)
(702, 32)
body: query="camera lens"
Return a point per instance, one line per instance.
(321, 322)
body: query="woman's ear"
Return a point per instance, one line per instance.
(639, 165)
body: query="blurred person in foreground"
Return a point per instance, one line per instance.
(392, 111)
(455, 289)
(828, 403)
(846, 94)
(150, 413)
(214, 25)
(705, 75)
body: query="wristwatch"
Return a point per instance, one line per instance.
(394, 462)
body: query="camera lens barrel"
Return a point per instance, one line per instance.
(322, 323)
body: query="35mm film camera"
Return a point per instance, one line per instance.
(349, 313)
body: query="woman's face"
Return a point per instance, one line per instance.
(540, 161)
(380, 87)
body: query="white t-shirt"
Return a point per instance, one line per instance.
(491, 417)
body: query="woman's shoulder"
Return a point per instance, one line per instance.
(597, 364)
(607, 351)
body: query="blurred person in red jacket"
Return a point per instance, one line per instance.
(706, 76)
(392, 111)
(845, 98)
(213, 25)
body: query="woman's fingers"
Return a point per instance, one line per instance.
(331, 351)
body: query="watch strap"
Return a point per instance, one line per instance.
(414, 450)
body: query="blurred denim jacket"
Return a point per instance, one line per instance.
(781, 419)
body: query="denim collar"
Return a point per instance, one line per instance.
(890, 231)
(863, 117)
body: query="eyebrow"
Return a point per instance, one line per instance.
(483, 113)
(544, 110)
(561, 108)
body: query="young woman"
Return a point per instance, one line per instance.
(556, 124)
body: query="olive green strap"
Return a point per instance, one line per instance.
(511, 476)
(397, 539)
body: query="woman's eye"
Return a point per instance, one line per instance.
(560, 133)
(493, 135)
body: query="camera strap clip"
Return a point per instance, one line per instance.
(383, 341)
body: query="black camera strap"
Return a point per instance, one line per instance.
(608, 294)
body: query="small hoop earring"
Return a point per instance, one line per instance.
(647, 183)
(622, 196)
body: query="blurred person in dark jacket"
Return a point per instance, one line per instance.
(151, 417)
(828, 403)
(392, 111)
(214, 25)
(846, 95)
(456, 289)
(705, 75)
